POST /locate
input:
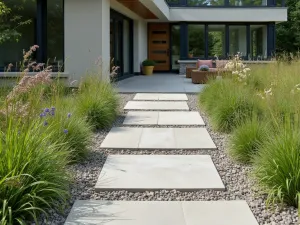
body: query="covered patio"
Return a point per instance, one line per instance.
(158, 83)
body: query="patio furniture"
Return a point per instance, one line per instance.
(189, 71)
(201, 77)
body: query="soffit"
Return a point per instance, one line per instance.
(137, 7)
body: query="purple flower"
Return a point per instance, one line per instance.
(42, 115)
(47, 110)
(69, 115)
(52, 113)
(52, 108)
(66, 131)
(45, 123)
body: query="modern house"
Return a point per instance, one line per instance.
(174, 33)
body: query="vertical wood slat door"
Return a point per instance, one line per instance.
(159, 45)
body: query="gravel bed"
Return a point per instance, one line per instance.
(234, 176)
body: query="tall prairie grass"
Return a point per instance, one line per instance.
(261, 110)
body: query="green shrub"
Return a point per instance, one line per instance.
(98, 102)
(148, 62)
(277, 166)
(246, 140)
(66, 126)
(33, 175)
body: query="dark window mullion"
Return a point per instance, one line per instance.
(227, 40)
(206, 41)
(248, 39)
(41, 30)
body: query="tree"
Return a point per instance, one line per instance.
(288, 33)
(10, 22)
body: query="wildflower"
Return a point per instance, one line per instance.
(47, 110)
(45, 123)
(9, 67)
(42, 115)
(69, 115)
(66, 131)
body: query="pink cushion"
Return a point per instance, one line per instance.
(221, 63)
(213, 69)
(209, 63)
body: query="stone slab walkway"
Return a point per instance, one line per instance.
(157, 105)
(95, 212)
(163, 118)
(160, 97)
(159, 172)
(158, 138)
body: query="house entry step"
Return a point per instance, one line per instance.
(96, 212)
(159, 172)
(160, 97)
(163, 118)
(158, 138)
(157, 105)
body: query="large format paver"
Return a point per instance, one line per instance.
(163, 118)
(96, 212)
(180, 118)
(122, 137)
(157, 105)
(160, 97)
(158, 138)
(159, 172)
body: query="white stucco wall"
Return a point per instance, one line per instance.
(140, 47)
(229, 14)
(86, 36)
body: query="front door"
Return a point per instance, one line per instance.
(159, 45)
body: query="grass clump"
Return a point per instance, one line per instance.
(64, 125)
(33, 175)
(246, 140)
(277, 167)
(98, 102)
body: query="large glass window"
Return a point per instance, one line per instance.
(196, 40)
(238, 40)
(248, 2)
(216, 41)
(12, 49)
(175, 35)
(126, 47)
(205, 2)
(258, 42)
(55, 33)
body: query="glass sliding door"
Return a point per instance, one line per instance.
(121, 44)
(196, 40)
(175, 49)
(258, 42)
(216, 41)
(238, 41)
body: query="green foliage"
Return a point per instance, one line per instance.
(148, 62)
(33, 177)
(65, 126)
(277, 167)
(98, 102)
(228, 104)
(10, 22)
(288, 33)
(246, 139)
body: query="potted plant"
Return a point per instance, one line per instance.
(148, 66)
(191, 54)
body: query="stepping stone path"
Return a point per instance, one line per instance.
(157, 105)
(160, 172)
(163, 118)
(158, 138)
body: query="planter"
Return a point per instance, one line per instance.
(201, 77)
(148, 70)
(191, 55)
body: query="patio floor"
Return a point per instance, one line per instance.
(158, 83)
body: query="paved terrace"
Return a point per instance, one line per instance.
(158, 83)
